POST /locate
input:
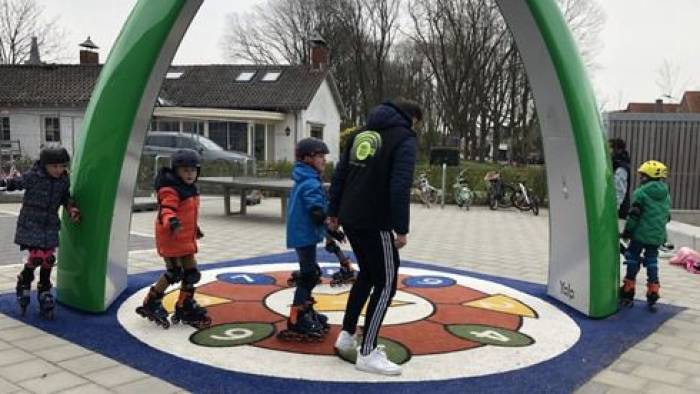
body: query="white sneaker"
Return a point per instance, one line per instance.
(377, 362)
(345, 342)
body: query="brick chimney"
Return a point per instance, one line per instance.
(89, 55)
(320, 53)
(659, 106)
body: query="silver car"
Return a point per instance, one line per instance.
(167, 143)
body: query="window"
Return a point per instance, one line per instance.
(165, 125)
(5, 129)
(245, 76)
(173, 75)
(193, 127)
(230, 135)
(272, 76)
(52, 129)
(259, 142)
(317, 132)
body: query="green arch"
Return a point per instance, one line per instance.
(583, 237)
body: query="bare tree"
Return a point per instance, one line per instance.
(669, 81)
(20, 20)
(586, 20)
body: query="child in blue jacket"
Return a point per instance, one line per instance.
(306, 216)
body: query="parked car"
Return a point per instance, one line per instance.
(167, 143)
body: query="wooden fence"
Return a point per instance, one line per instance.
(673, 139)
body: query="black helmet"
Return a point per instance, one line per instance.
(54, 155)
(310, 147)
(185, 158)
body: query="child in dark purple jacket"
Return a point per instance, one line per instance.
(46, 185)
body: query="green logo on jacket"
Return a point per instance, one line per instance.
(365, 146)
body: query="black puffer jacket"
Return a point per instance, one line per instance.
(38, 223)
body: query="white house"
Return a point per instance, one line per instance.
(260, 110)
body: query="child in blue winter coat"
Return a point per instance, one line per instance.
(306, 217)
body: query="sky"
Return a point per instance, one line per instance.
(639, 36)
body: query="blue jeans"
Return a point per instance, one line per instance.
(651, 262)
(309, 272)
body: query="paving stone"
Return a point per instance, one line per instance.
(116, 376)
(660, 374)
(89, 388)
(657, 387)
(86, 364)
(617, 390)
(45, 341)
(621, 380)
(685, 354)
(21, 332)
(27, 370)
(62, 353)
(150, 386)
(13, 356)
(593, 388)
(646, 358)
(7, 387)
(6, 322)
(624, 366)
(53, 383)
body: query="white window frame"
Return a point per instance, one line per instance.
(246, 76)
(271, 76)
(45, 130)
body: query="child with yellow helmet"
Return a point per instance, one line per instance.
(646, 230)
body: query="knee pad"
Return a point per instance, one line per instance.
(309, 279)
(174, 275)
(26, 277)
(191, 276)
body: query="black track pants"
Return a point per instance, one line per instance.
(378, 259)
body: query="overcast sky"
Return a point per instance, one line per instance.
(638, 37)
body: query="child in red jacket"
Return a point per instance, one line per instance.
(176, 240)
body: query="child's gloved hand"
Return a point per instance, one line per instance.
(175, 224)
(74, 214)
(626, 235)
(200, 234)
(336, 234)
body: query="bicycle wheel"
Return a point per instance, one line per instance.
(518, 200)
(535, 206)
(508, 196)
(433, 196)
(493, 201)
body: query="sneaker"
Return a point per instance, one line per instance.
(345, 342)
(376, 362)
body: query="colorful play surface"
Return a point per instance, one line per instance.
(452, 330)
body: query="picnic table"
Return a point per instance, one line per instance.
(245, 184)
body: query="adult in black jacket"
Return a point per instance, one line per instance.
(621, 174)
(370, 198)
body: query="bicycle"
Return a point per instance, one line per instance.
(462, 193)
(499, 193)
(524, 199)
(427, 193)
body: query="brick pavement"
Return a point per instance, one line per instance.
(504, 243)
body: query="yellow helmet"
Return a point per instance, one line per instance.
(653, 169)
